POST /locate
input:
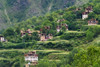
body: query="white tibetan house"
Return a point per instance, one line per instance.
(31, 57)
(85, 15)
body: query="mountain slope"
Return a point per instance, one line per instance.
(18, 10)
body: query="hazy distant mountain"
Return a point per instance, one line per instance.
(18, 10)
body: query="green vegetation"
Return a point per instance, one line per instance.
(79, 46)
(12, 11)
(15, 57)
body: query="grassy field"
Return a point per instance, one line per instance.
(50, 53)
(94, 42)
(92, 25)
(25, 50)
(1, 58)
(53, 41)
(75, 32)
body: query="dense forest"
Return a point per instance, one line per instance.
(73, 42)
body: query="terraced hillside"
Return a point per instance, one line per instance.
(12, 54)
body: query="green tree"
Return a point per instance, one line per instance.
(9, 32)
(70, 16)
(35, 36)
(87, 58)
(91, 15)
(46, 63)
(97, 9)
(63, 28)
(89, 35)
(1, 44)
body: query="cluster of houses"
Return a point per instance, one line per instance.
(31, 58)
(45, 37)
(87, 11)
(60, 20)
(59, 27)
(85, 15)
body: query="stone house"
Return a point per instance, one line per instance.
(22, 33)
(31, 57)
(50, 36)
(77, 9)
(92, 22)
(60, 20)
(65, 26)
(58, 28)
(47, 27)
(27, 31)
(44, 37)
(85, 15)
(2, 39)
(89, 9)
